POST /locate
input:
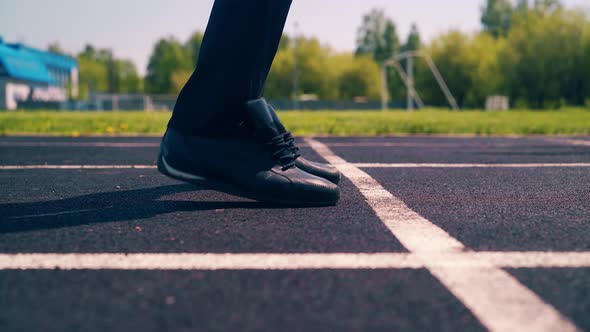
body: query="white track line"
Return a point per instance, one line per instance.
(207, 261)
(433, 144)
(359, 165)
(264, 261)
(570, 141)
(496, 298)
(17, 167)
(467, 165)
(81, 144)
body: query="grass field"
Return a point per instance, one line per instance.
(350, 123)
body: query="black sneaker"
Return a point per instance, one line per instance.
(257, 164)
(325, 171)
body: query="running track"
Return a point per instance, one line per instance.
(432, 233)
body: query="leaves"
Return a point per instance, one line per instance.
(321, 72)
(100, 71)
(168, 56)
(377, 36)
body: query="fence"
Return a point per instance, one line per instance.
(116, 102)
(139, 102)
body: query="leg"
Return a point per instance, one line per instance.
(223, 135)
(238, 48)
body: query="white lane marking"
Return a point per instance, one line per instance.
(358, 165)
(570, 141)
(467, 165)
(208, 261)
(427, 144)
(519, 259)
(17, 167)
(81, 144)
(273, 261)
(496, 298)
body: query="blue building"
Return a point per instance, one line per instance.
(32, 78)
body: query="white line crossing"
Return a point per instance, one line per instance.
(70, 167)
(359, 165)
(496, 298)
(81, 144)
(274, 261)
(468, 165)
(570, 141)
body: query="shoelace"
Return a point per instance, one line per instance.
(290, 140)
(281, 152)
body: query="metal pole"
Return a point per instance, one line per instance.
(384, 92)
(441, 82)
(295, 71)
(410, 94)
(404, 77)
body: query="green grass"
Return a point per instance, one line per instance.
(431, 121)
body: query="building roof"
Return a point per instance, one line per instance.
(26, 63)
(49, 58)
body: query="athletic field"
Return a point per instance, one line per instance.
(568, 121)
(432, 233)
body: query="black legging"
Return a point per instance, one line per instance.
(238, 48)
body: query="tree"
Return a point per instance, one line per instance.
(485, 74)
(329, 75)
(317, 75)
(359, 78)
(168, 56)
(546, 7)
(54, 47)
(585, 66)
(93, 76)
(496, 16)
(193, 46)
(127, 77)
(285, 42)
(100, 55)
(179, 78)
(377, 36)
(544, 61)
(414, 42)
(279, 84)
(449, 52)
(103, 59)
(397, 89)
(94, 72)
(522, 6)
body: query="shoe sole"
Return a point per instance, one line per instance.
(204, 182)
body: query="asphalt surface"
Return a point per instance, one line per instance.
(140, 211)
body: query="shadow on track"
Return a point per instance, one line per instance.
(106, 207)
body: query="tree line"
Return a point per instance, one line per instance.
(537, 54)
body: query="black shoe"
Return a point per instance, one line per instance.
(325, 171)
(256, 164)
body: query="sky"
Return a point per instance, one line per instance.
(131, 27)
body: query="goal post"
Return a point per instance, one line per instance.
(407, 77)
